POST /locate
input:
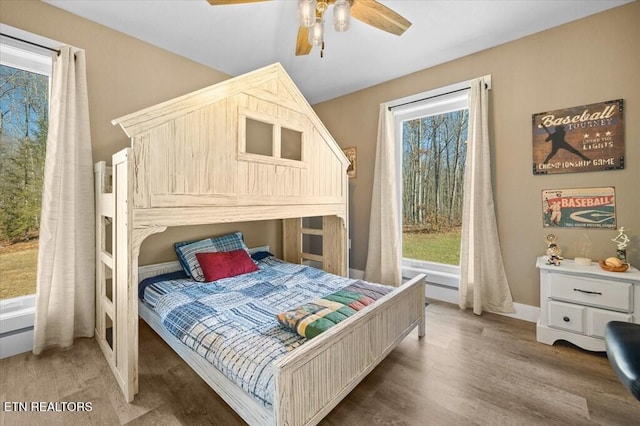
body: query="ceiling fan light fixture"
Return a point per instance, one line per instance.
(310, 16)
(306, 13)
(316, 33)
(341, 15)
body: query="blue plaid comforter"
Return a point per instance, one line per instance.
(232, 322)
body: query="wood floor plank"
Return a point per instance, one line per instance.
(144, 403)
(160, 416)
(102, 412)
(468, 369)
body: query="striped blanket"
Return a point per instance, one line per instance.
(313, 318)
(232, 322)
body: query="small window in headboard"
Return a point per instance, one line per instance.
(264, 138)
(291, 144)
(259, 137)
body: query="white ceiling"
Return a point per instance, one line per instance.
(236, 39)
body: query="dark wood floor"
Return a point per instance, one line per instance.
(486, 370)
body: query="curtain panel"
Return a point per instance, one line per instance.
(384, 254)
(65, 297)
(483, 281)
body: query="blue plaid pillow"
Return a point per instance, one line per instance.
(187, 252)
(183, 263)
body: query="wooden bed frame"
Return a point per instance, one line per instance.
(206, 158)
(350, 350)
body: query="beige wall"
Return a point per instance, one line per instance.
(587, 61)
(125, 75)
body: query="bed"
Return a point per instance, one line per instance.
(249, 148)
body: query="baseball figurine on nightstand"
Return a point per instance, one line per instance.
(554, 254)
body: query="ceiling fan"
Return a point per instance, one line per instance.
(311, 19)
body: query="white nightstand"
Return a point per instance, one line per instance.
(576, 302)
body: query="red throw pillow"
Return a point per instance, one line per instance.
(225, 264)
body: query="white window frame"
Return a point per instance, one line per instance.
(17, 314)
(434, 102)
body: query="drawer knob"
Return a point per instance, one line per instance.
(566, 319)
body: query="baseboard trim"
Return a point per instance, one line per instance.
(441, 293)
(16, 343)
(450, 295)
(525, 312)
(17, 316)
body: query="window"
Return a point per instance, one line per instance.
(291, 144)
(431, 136)
(259, 137)
(268, 139)
(24, 102)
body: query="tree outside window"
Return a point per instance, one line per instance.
(433, 157)
(24, 98)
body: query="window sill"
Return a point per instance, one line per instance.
(17, 313)
(437, 273)
(17, 317)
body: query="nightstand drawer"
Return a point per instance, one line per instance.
(588, 291)
(597, 319)
(567, 316)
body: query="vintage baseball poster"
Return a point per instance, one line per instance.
(579, 208)
(586, 138)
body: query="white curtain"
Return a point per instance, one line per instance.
(384, 253)
(483, 282)
(65, 304)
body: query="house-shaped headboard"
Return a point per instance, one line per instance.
(223, 150)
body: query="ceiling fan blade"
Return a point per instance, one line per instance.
(223, 2)
(303, 47)
(380, 16)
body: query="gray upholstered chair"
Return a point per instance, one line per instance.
(622, 340)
